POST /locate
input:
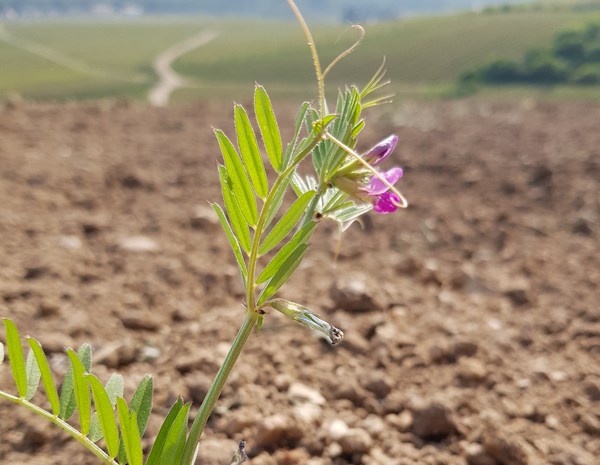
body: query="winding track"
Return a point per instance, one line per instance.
(170, 80)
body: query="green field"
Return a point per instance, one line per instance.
(89, 59)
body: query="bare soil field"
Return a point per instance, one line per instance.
(472, 319)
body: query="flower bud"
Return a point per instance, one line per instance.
(381, 151)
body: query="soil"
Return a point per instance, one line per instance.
(471, 319)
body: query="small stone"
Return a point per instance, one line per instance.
(379, 384)
(558, 376)
(149, 354)
(352, 293)
(198, 385)
(69, 242)
(138, 244)
(214, 451)
(36, 272)
(291, 457)
(373, 425)
(590, 424)
(355, 441)
(518, 296)
(402, 421)
(141, 321)
(592, 390)
(204, 218)
(307, 413)
(300, 393)
(503, 447)
(432, 420)
(476, 455)
(472, 370)
(48, 308)
(277, 431)
(116, 354)
(335, 429)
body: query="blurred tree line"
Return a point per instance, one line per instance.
(573, 57)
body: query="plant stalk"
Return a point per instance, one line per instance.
(84, 440)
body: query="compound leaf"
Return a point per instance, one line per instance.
(282, 275)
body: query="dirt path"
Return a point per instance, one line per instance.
(169, 80)
(59, 58)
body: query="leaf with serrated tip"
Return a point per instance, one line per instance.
(33, 375)
(47, 379)
(16, 357)
(250, 152)
(105, 415)
(265, 116)
(82, 392)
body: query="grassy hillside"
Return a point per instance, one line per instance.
(424, 55)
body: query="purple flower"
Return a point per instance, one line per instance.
(384, 202)
(381, 151)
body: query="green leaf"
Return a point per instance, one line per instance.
(82, 392)
(141, 403)
(106, 416)
(286, 223)
(159, 443)
(16, 356)
(282, 275)
(46, 374)
(129, 433)
(250, 152)
(175, 441)
(301, 237)
(68, 403)
(265, 116)
(33, 375)
(114, 388)
(277, 200)
(238, 222)
(95, 433)
(242, 192)
(233, 242)
(289, 150)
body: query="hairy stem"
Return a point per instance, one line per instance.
(85, 441)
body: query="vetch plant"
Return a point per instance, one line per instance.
(268, 244)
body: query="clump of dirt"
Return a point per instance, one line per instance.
(471, 319)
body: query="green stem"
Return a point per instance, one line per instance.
(314, 54)
(85, 441)
(217, 386)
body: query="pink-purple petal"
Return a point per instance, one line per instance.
(377, 186)
(386, 203)
(382, 150)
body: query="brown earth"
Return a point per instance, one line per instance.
(471, 319)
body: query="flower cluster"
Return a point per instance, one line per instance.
(371, 185)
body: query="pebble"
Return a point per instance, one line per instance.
(592, 390)
(198, 385)
(307, 413)
(335, 429)
(69, 242)
(590, 423)
(300, 393)
(275, 431)
(378, 383)
(116, 354)
(472, 370)
(215, 451)
(139, 322)
(432, 420)
(476, 455)
(355, 441)
(138, 244)
(503, 447)
(352, 293)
